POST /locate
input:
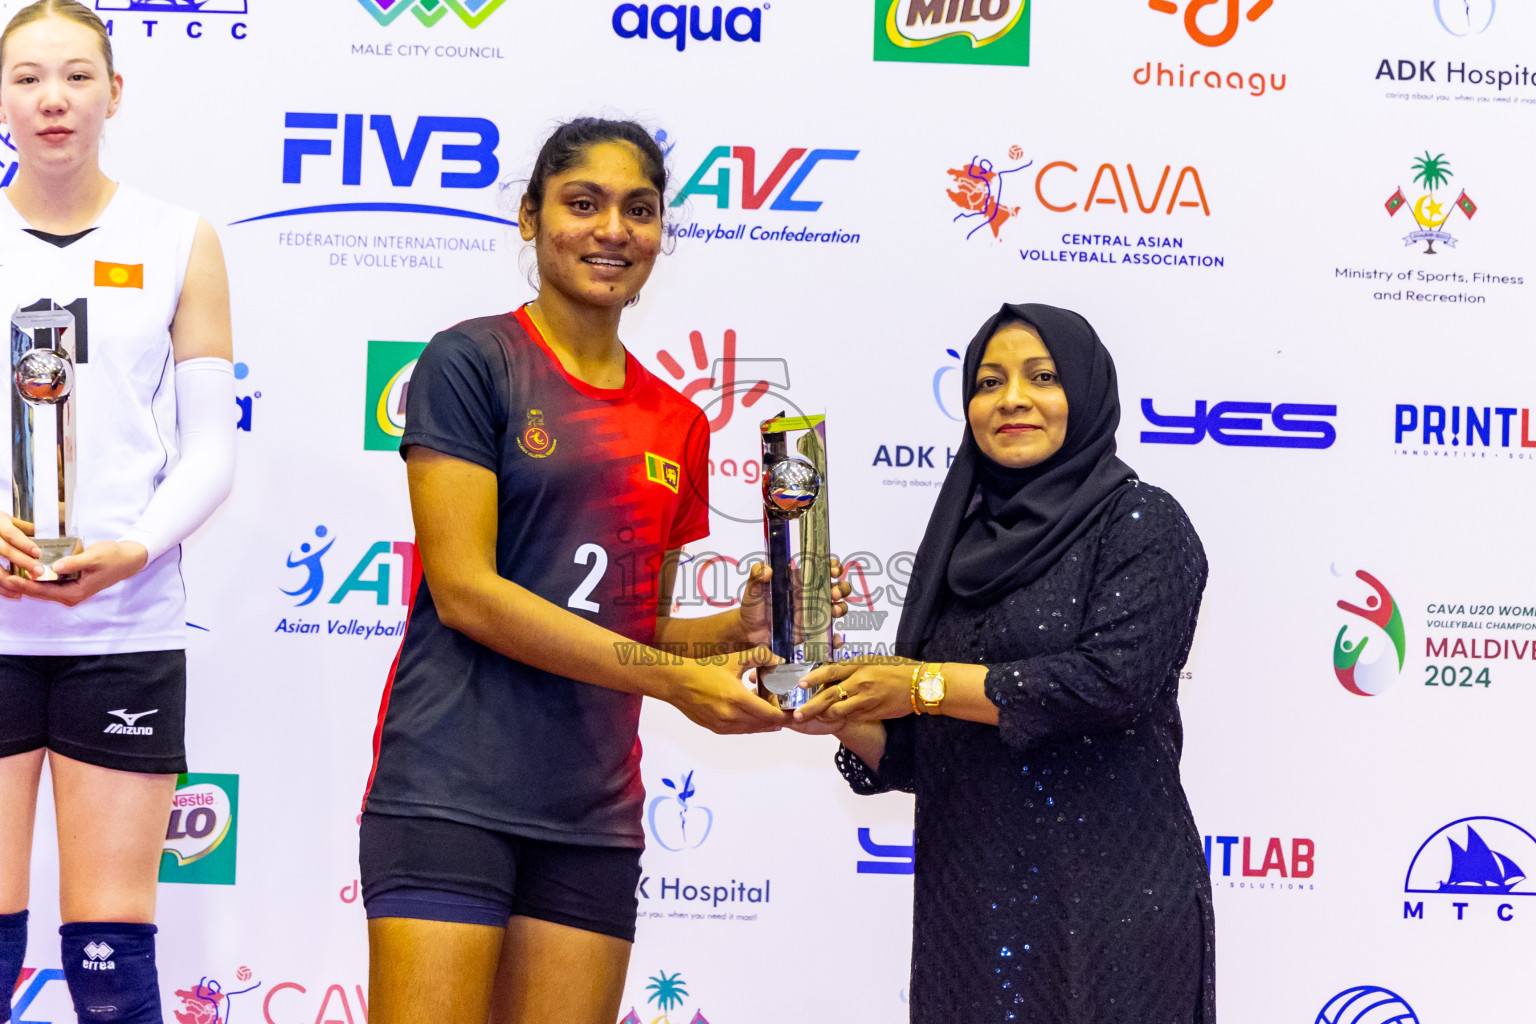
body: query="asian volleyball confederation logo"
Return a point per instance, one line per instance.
(1370, 677)
(429, 12)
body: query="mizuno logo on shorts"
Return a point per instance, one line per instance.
(127, 726)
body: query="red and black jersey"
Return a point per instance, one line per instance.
(594, 486)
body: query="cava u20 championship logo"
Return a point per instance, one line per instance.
(429, 12)
(953, 31)
(1367, 678)
(1432, 173)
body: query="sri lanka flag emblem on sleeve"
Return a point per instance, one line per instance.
(662, 471)
(1397, 202)
(119, 275)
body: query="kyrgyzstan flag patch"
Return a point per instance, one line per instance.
(119, 275)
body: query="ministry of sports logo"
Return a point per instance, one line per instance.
(1431, 173)
(429, 12)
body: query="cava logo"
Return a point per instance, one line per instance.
(953, 31)
(429, 12)
(200, 838)
(1432, 173)
(390, 364)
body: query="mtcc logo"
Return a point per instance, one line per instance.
(676, 822)
(429, 12)
(1229, 15)
(194, 28)
(1368, 678)
(1367, 1004)
(1472, 857)
(1465, 17)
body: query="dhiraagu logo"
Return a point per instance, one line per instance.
(390, 364)
(953, 31)
(200, 837)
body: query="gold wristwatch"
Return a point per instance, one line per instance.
(927, 688)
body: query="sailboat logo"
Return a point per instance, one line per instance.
(1474, 857)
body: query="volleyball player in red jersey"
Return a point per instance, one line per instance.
(553, 480)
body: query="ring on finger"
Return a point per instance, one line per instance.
(842, 694)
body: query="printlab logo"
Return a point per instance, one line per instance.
(1367, 1004)
(390, 365)
(953, 31)
(208, 1003)
(667, 992)
(1470, 426)
(1230, 14)
(1471, 857)
(978, 192)
(678, 23)
(200, 840)
(371, 575)
(429, 12)
(1465, 17)
(1368, 678)
(1432, 173)
(676, 822)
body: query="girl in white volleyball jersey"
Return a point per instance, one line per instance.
(92, 664)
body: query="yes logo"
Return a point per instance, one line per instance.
(677, 823)
(953, 31)
(200, 838)
(1370, 678)
(390, 364)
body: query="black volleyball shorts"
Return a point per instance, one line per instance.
(431, 869)
(121, 711)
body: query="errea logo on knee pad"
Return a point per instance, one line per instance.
(128, 726)
(98, 958)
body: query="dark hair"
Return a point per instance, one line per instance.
(569, 143)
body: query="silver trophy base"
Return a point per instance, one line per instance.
(780, 685)
(53, 548)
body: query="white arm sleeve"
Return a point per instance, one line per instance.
(201, 480)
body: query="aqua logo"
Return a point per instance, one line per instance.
(244, 404)
(1370, 678)
(1367, 1004)
(679, 23)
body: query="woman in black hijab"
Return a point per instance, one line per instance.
(1060, 878)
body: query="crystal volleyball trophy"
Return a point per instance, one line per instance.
(799, 553)
(43, 431)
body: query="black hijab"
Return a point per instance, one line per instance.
(995, 529)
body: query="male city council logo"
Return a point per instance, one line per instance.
(1431, 173)
(1367, 1004)
(676, 822)
(1368, 677)
(200, 838)
(978, 191)
(667, 993)
(1474, 857)
(429, 12)
(1465, 17)
(953, 31)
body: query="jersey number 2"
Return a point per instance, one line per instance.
(581, 598)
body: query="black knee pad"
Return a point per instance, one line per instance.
(13, 949)
(110, 970)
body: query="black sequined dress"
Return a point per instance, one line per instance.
(1060, 877)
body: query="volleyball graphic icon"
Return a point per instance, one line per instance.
(1367, 1004)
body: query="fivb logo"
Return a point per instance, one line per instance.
(953, 31)
(467, 152)
(429, 12)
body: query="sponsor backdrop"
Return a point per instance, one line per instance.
(1303, 229)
